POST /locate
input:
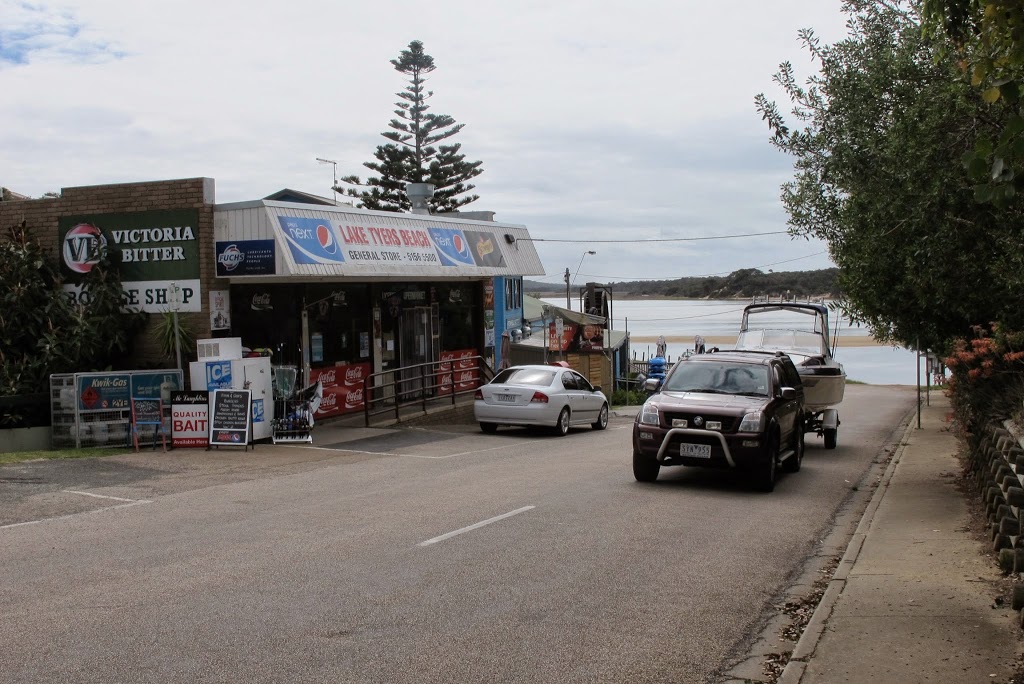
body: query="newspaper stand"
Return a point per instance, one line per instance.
(293, 421)
(148, 411)
(293, 413)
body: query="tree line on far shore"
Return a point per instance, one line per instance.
(746, 282)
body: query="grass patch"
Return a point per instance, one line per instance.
(855, 382)
(19, 456)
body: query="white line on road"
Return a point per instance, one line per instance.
(474, 526)
(104, 496)
(138, 502)
(466, 453)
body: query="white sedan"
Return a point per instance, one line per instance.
(552, 396)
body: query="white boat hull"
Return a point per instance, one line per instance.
(823, 386)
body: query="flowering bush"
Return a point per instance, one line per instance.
(987, 380)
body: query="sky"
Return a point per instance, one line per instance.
(600, 124)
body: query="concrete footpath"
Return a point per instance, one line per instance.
(916, 597)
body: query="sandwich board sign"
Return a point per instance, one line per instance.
(230, 417)
(148, 411)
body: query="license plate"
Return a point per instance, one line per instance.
(508, 398)
(695, 450)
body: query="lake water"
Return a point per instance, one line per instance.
(685, 318)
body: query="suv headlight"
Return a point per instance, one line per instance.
(649, 414)
(752, 422)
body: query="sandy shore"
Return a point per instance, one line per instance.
(726, 341)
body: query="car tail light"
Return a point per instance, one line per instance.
(478, 395)
(539, 397)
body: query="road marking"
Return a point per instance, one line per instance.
(465, 453)
(138, 502)
(104, 496)
(475, 526)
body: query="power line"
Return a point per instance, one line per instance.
(689, 239)
(706, 275)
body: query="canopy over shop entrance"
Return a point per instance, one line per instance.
(268, 239)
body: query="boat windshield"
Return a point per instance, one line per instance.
(719, 378)
(798, 341)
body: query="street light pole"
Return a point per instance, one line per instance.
(334, 187)
(578, 266)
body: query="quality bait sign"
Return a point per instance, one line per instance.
(157, 253)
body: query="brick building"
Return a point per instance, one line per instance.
(319, 286)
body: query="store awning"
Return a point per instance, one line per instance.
(270, 240)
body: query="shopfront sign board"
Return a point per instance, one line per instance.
(230, 417)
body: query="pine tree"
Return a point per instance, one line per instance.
(411, 156)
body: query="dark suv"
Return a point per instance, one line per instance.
(736, 410)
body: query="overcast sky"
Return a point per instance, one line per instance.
(594, 120)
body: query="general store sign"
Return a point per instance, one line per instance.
(158, 253)
(333, 242)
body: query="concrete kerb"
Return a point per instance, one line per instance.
(805, 647)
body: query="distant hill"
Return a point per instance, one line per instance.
(740, 284)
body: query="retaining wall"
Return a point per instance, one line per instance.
(997, 467)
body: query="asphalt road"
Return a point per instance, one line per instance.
(431, 555)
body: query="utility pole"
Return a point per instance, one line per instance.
(567, 304)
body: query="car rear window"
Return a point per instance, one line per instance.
(524, 376)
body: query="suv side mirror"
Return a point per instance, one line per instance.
(788, 393)
(651, 384)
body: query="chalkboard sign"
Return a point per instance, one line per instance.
(229, 421)
(147, 411)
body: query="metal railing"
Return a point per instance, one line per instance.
(423, 385)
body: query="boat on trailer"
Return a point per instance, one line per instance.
(800, 330)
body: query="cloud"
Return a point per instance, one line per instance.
(42, 33)
(594, 120)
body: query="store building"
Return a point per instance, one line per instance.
(338, 292)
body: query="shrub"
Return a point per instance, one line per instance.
(987, 380)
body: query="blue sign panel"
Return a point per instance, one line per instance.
(245, 258)
(311, 240)
(452, 247)
(148, 385)
(218, 375)
(103, 391)
(258, 415)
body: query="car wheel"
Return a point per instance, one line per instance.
(831, 437)
(602, 419)
(562, 426)
(489, 428)
(766, 472)
(792, 464)
(645, 468)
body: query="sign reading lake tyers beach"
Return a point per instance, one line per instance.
(155, 249)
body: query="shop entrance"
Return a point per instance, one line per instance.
(417, 344)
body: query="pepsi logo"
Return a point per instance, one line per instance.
(460, 244)
(84, 245)
(326, 239)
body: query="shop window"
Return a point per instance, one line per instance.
(513, 294)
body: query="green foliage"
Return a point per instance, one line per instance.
(411, 156)
(986, 38)
(42, 331)
(626, 397)
(877, 145)
(168, 331)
